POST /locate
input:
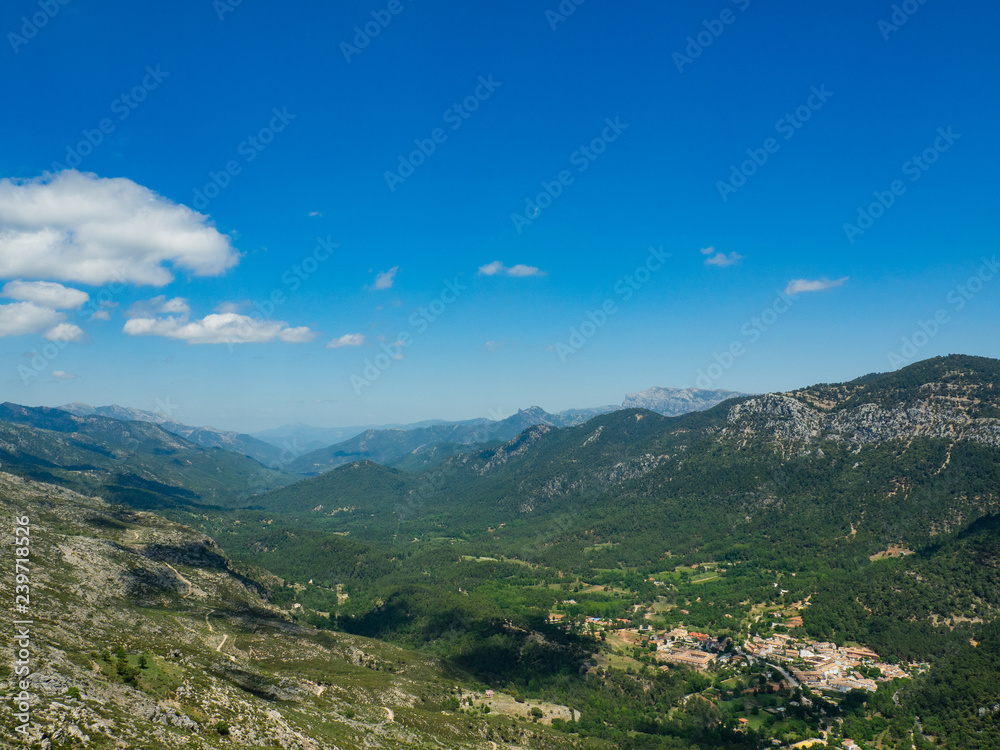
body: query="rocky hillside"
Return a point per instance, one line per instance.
(145, 635)
(951, 398)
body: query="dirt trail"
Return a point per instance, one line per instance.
(219, 647)
(182, 580)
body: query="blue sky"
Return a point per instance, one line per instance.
(429, 153)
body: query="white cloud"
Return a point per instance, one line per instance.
(157, 305)
(707, 250)
(491, 269)
(20, 318)
(62, 375)
(385, 279)
(46, 294)
(64, 332)
(348, 339)
(218, 328)
(101, 315)
(498, 268)
(722, 259)
(75, 226)
(797, 286)
(176, 305)
(314, 214)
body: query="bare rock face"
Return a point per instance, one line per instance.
(777, 416)
(869, 423)
(516, 447)
(785, 419)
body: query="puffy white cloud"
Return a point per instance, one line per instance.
(721, 260)
(385, 279)
(491, 269)
(218, 328)
(46, 294)
(797, 286)
(75, 226)
(20, 318)
(62, 375)
(348, 339)
(64, 332)
(497, 268)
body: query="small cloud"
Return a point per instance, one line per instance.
(46, 294)
(798, 286)
(158, 305)
(176, 306)
(64, 332)
(218, 328)
(497, 268)
(101, 315)
(314, 214)
(385, 279)
(707, 250)
(494, 346)
(721, 260)
(348, 339)
(62, 375)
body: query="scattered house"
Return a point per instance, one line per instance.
(489, 693)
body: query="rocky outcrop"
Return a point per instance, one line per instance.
(786, 419)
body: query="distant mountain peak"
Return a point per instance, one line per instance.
(672, 402)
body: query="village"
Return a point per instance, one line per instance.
(817, 665)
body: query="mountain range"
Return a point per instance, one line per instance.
(382, 602)
(304, 449)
